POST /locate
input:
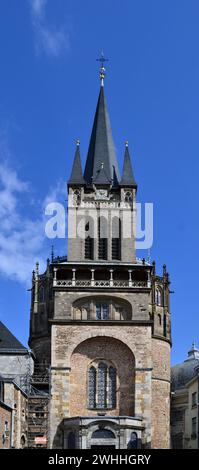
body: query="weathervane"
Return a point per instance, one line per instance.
(102, 59)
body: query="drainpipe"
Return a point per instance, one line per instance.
(12, 428)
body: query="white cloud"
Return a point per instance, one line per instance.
(52, 41)
(22, 238)
(38, 7)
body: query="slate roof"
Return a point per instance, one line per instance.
(127, 174)
(76, 177)
(8, 340)
(101, 152)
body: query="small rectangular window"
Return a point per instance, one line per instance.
(102, 312)
(6, 426)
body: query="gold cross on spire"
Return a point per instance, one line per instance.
(102, 59)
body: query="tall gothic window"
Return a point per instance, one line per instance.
(102, 238)
(102, 386)
(116, 238)
(89, 245)
(102, 311)
(158, 296)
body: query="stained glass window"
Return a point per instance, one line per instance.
(102, 386)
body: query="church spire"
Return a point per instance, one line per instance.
(76, 176)
(127, 174)
(101, 164)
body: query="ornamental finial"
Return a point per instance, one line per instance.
(78, 142)
(102, 59)
(126, 143)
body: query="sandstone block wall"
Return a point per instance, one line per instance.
(160, 394)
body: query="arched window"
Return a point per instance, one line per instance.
(116, 238)
(158, 296)
(41, 294)
(71, 440)
(23, 440)
(102, 238)
(102, 386)
(159, 319)
(133, 443)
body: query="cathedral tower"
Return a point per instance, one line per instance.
(108, 312)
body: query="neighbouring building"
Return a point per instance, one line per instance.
(5, 420)
(13, 415)
(185, 402)
(100, 317)
(16, 361)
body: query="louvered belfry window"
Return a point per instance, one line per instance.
(102, 238)
(116, 238)
(89, 242)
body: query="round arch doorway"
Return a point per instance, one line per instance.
(103, 439)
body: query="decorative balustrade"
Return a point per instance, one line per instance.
(101, 283)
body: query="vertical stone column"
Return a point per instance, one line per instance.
(143, 403)
(92, 277)
(54, 277)
(130, 278)
(74, 277)
(59, 405)
(111, 277)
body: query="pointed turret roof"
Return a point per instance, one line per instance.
(101, 164)
(76, 176)
(127, 173)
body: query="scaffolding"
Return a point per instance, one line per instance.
(36, 387)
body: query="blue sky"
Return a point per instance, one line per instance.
(48, 93)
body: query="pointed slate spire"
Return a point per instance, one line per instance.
(76, 176)
(127, 173)
(101, 164)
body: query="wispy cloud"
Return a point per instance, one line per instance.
(51, 40)
(22, 238)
